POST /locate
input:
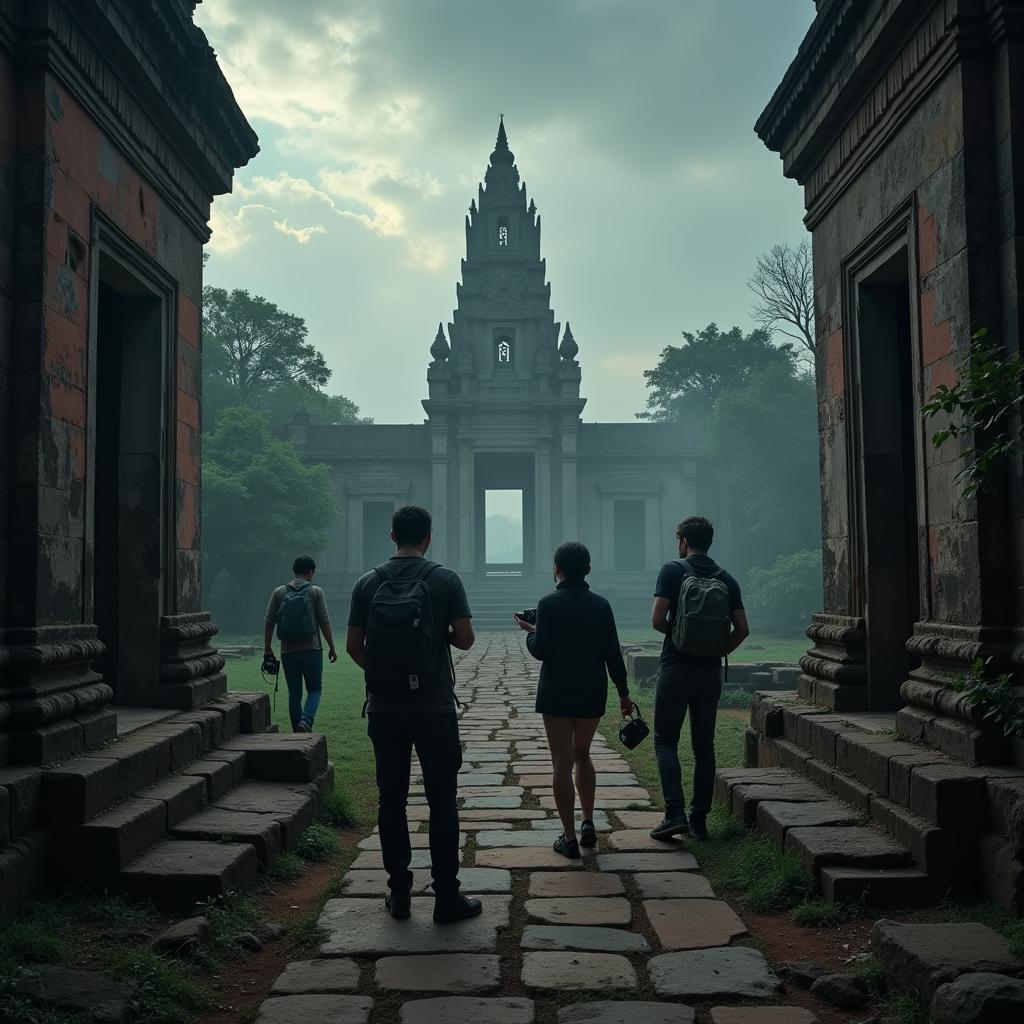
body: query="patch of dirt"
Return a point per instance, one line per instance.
(244, 984)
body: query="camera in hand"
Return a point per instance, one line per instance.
(530, 616)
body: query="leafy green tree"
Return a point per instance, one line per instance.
(783, 596)
(689, 378)
(262, 505)
(762, 437)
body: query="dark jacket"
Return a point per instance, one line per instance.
(578, 645)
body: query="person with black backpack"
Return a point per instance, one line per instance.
(299, 611)
(405, 617)
(699, 609)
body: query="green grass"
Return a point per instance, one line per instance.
(287, 867)
(1011, 928)
(757, 647)
(317, 843)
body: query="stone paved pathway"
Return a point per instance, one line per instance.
(632, 934)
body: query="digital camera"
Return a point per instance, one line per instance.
(530, 616)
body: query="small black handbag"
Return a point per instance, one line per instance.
(634, 730)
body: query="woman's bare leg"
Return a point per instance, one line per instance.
(560, 733)
(586, 777)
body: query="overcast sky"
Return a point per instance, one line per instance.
(632, 126)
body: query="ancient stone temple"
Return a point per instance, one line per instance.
(117, 128)
(901, 121)
(504, 413)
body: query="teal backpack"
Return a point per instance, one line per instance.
(702, 622)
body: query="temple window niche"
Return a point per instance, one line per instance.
(503, 231)
(503, 351)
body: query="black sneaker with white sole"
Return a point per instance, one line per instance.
(671, 827)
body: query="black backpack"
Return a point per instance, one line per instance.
(403, 652)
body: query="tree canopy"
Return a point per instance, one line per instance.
(689, 378)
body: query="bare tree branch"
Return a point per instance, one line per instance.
(783, 282)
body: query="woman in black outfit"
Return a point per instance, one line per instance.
(576, 640)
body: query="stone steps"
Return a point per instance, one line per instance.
(957, 822)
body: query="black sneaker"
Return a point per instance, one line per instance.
(698, 826)
(399, 903)
(304, 726)
(671, 827)
(588, 835)
(567, 848)
(449, 909)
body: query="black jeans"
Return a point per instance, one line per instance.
(697, 689)
(436, 740)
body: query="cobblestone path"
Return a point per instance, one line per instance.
(630, 934)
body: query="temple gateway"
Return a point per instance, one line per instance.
(503, 414)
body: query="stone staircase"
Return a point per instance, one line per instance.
(874, 817)
(494, 599)
(186, 809)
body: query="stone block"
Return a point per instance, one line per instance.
(315, 1009)
(693, 923)
(577, 972)
(900, 769)
(848, 846)
(624, 1011)
(445, 1009)
(526, 858)
(573, 883)
(582, 937)
(668, 885)
(104, 1000)
(580, 910)
(820, 773)
(852, 792)
(253, 710)
(745, 799)
(934, 849)
(292, 807)
(261, 831)
(22, 799)
(1001, 874)
(921, 957)
(282, 757)
(141, 761)
(877, 887)
(979, 998)
(775, 819)
(729, 972)
(183, 795)
(639, 819)
(440, 972)
(638, 840)
(505, 838)
(667, 861)
(182, 936)
(1006, 804)
(211, 723)
(175, 873)
(950, 796)
(220, 774)
(113, 840)
(185, 739)
(79, 789)
(761, 1015)
(24, 869)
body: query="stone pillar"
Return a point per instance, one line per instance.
(570, 487)
(439, 496)
(545, 547)
(464, 523)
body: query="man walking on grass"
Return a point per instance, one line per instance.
(405, 616)
(299, 610)
(699, 609)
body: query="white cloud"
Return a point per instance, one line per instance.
(232, 231)
(301, 235)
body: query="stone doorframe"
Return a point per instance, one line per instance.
(361, 489)
(631, 488)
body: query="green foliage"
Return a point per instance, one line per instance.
(287, 867)
(871, 972)
(785, 594)
(906, 1008)
(735, 697)
(317, 843)
(819, 913)
(690, 378)
(993, 699)
(982, 407)
(337, 810)
(769, 881)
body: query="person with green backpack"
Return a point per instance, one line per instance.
(299, 611)
(699, 609)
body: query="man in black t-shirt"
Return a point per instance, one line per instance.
(425, 721)
(689, 683)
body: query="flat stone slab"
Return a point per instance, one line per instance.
(575, 883)
(593, 940)
(487, 814)
(639, 819)
(762, 1015)
(317, 977)
(585, 910)
(670, 860)
(522, 837)
(612, 1011)
(60, 988)
(371, 860)
(526, 857)
(601, 823)
(921, 957)
(178, 871)
(492, 803)
(693, 923)
(481, 779)
(639, 840)
(446, 1009)
(443, 972)
(978, 999)
(729, 972)
(360, 927)
(859, 847)
(604, 802)
(316, 1009)
(417, 841)
(578, 971)
(669, 885)
(775, 818)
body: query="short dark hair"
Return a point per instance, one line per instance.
(573, 559)
(303, 565)
(697, 532)
(410, 525)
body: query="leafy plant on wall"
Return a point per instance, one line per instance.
(993, 699)
(985, 404)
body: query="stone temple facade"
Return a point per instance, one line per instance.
(504, 413)
(902, 121)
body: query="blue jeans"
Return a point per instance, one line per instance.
(697, 689)
(299, 666)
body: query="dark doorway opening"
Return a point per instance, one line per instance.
(504, 483)
(630, 535)
(130, 531)
(377, 546)
(889, 422)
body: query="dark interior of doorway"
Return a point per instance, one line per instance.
(504, 471)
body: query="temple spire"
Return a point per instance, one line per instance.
(440, 350)
(502, 154)
(568, 350)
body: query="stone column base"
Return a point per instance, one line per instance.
(191, 670)
(834, 673)
(52, 702)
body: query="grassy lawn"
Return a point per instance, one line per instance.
(757, 647)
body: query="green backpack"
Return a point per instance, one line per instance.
(702, 622)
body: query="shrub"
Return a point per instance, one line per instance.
(784, 595)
